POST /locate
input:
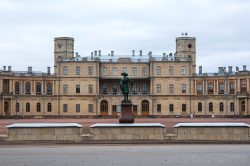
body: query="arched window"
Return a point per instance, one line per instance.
(104, 107)
(210, 107)
(38, 107)
(232, 106)
(221, 106)
(200, 107)
(17, 107)
(49, 107)
(27, 107)
(38, 88)
(49, 88)
(27, 88)
(17, 88)
(145, 107)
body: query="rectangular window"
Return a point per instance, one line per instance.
(114, 89)
(221, 88)
(158, 107)
(134, 71)
(221, 107)
(65, 88)
(78, 107)
(124, 70)
(231, 87)
(144, 71)
(90, 108)
(90, 70)
(199, 88)
(90, 89)
(105, 89)
(171, 70)
(183, 88)
(171, 107)
(78, 88)
(158, 70)
(171, 88)
(199, 107)
(65, 70)
(104, 71)
(114, 71)
(78, 70)
(231, 106)
(144, 88)
(134, 89)
(183, 70)
(210, 88)
(243, 85)
(184, 108)
(210, 107)
(114, 109)
(65, 107)
(158, 88)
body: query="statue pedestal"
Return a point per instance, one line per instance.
(126, 112)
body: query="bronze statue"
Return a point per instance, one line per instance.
(124, 85)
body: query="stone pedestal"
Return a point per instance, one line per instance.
(126, 112)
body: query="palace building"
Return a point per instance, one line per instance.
(163, 85)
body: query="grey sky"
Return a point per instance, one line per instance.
(28, 28)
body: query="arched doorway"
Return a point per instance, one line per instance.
(104, 108)
(6, 108)
(242, 107)
(145, 107)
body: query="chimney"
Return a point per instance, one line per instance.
(95, 52)
(4, 68)
(112, 53)
(48, 70)
(230, 69)
(9, 68)
(140, 52)
(92, 54)
(200, 69)
(164, 54)
(221, 69)
(244, 67)
(224, 69)
(237, 68)
(133, 52)
(29, 69)
(99, 53)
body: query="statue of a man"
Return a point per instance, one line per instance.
(124, 85)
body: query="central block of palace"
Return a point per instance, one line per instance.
(123, 131)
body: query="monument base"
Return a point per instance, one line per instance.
(126, 112)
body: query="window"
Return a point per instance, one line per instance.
(27, 88)
(183, 87)
(90, 89)
(114, 71)
(78, 88)
(38, 88)
(171, 70)
(49, 88)
(144, 71)
(114, 89)
(124, 70)
(171, 107)
(232, 106)
(114, 109)
(90, 107)
(231, 87)
(158, 88)
(199, 88)
(38, 107)
(134, 109)
(210, 88)
(158, 70)
(65, 107)
(78, 107)
(221, 107)
(134, 71)
(27, 107)
(171, 88)
(200, 107)
(90, 70)
(183, 70)
(78, 70)
(184, 108)
(243, 85)
(210, 107)
(105, 89)
(65, 70)
(145, 106)
(144, 88)
(158, 107)
(65, 88)
(49, 107)
(104, 71)
(221, 88)
(134, 89)
(17, 107)
(17, 88)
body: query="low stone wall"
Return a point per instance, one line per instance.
(133, 132)
(44, 132)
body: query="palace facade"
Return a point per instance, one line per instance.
(165, 85)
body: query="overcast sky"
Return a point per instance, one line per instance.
(28, 28)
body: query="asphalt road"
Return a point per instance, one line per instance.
(125, 155)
